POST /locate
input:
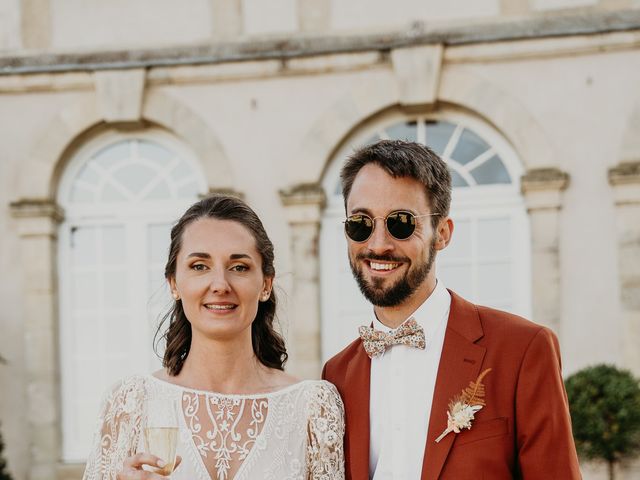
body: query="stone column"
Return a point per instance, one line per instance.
(37, 227)
(542, 189)
(303, 206)
(625, 181)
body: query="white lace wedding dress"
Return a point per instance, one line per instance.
(294, 433)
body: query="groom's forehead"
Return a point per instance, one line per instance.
(375, 191)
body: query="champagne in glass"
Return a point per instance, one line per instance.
(161, 432)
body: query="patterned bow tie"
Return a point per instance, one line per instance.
(376, 342)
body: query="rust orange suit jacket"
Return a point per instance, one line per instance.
(523, 432)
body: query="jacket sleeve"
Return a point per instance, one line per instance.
(118, 430)
(543, 426)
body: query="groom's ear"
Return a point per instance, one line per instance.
(444, 233)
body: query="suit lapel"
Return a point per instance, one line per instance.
(358, 378)
(460, 364)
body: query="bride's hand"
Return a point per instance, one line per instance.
(132, 468)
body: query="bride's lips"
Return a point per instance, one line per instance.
(221, 308)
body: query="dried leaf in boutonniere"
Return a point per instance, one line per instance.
(463, 407)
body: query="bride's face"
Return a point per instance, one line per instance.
(219, 278)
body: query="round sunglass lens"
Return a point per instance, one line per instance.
(401, 225)
(358, 228)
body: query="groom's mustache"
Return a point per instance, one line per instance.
(383, 258)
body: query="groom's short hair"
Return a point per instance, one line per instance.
(404, 159)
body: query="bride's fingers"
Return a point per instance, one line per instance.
(135, 462)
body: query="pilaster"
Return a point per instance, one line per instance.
(303, 206)
(624, 178)
(542, 189)
(38, 220)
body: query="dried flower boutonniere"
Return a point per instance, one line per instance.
(463, 407)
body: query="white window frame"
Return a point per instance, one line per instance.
(135, 218)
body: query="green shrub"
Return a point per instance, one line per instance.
(605, 414)
(4, 473)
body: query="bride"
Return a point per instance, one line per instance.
(240, 416)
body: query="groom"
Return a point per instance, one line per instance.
(424, 348)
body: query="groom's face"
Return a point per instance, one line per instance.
(389, 271)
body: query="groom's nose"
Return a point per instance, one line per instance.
(380, 240)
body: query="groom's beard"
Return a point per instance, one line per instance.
(402, 289)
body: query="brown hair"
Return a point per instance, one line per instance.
(268, 344)
(404, 159)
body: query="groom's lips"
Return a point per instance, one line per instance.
(381, 267)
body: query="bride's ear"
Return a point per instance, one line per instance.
(174, 288)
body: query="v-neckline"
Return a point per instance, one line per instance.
(260, 439)
(204, 472)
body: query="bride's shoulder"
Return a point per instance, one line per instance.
(321, 391)
(128, 386)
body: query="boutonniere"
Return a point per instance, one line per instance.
(463, 407)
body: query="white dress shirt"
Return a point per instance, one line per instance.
(403, 379)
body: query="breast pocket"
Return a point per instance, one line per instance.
(483, 429)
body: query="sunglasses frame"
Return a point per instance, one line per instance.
(373, 222)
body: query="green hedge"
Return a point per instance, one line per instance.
(605, 414)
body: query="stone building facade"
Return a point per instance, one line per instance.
(99, 101)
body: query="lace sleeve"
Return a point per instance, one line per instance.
(325, 453)
(118, 431)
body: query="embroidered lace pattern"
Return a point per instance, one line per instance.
(224, 429)
(292, 434)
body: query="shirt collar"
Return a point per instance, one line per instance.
(429, 314)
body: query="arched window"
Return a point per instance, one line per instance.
(120, 193)
(488, 259)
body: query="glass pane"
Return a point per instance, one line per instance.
(438, 135)
(460, 246)
(190, 190)
(86, 327)
(111, 194)
(85, 292)
(117, 334)
(180, 171)
(457, 180)
(112, 154)
(159, 192)
(469, 147)
(158, 289)
(158, 242)
(84, 248)
(154, 152)
(134, 177)
(490, 172)
(494, 238)
(113, 245)
(88, 175)
(494, 282)
(79, 194)
(115, 289)
(403, 131)
(457, 278)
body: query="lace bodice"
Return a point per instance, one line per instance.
(294, 433)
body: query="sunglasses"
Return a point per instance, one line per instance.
(400, 225)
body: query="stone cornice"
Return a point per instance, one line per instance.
(625, 173)
(543, 179)
(288, 47)
(303, 194)
(37, 208)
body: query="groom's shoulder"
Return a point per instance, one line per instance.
(337, 364)
(504, 329)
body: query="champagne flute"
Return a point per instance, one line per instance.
(161, 432)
